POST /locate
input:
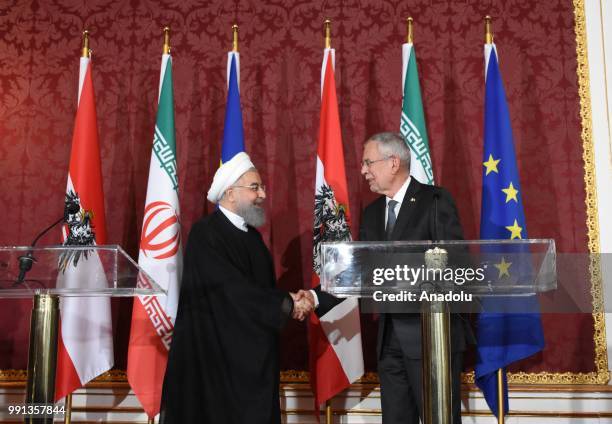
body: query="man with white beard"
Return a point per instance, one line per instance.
(223, 365)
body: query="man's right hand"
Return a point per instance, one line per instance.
(303, 304)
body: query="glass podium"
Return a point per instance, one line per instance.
(66, 275)
(437, 279)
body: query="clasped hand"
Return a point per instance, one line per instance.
(303, 304)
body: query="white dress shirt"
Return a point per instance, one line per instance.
(235, 219)
(399, 198)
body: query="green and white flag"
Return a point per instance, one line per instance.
(412, 126)
(160, 256)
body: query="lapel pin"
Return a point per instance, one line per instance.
(412, 199)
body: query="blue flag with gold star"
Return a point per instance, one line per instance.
(503, 338)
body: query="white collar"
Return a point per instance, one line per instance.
(399, 196)
(235, 219)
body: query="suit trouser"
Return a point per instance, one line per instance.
(401, 383)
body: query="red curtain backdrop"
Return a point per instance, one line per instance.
(281, 45)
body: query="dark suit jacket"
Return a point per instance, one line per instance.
(416, 222)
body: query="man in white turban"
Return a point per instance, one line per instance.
(241, 207)
(223, 365)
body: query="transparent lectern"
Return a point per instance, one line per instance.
(64, 275)
(435, 280)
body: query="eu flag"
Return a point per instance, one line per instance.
(233, 135)
(503, 338)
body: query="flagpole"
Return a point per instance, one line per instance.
(500, 396)
(233, 55)
(409, 31)
(85, 52)
(166, 46)
(235, 38)
(329, 413)
(500, 372)
(68, 411)
(327, 30)
(488, 30)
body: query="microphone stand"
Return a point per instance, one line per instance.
(26, 261)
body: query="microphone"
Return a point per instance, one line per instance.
(26, 261)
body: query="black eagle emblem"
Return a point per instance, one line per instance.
(330, 223)
(79, 232)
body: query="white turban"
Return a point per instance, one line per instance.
(228, 174)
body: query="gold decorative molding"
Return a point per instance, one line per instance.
(369, 378)
(112, 376)
(17, 376)
(601, 374)
(294, 376)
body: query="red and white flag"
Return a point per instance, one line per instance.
(85, 348)
(336, 356)
(160, 256)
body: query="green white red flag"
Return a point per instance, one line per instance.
(160, 256)
(412, 126)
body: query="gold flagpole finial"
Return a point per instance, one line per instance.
(409, 30)
(166, 48)
(327, 27)
(235, 38)
(85, 52)
(488, 30)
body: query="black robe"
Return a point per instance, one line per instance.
(223, 364)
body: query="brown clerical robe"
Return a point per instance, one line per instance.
(223, 365)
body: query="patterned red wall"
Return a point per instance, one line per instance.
(281, 52)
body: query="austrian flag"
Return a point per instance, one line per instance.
(335, 362)
(85, 347)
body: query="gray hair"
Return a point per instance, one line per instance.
(393, 144)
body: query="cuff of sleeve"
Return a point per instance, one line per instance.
(316, 298)
(286, 310)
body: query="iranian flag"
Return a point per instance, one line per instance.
(85, 348)
(412, 126)
(160, 256)
(336, 358)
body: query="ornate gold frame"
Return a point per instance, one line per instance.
(601, 375)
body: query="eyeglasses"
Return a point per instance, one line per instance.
(367, 163)
(255, 187)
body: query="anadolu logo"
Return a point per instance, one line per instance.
(160, 231)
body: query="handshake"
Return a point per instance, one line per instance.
(303, 304)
